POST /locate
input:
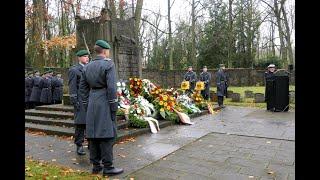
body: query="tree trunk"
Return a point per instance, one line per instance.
(287, 35)
(170, 38)
(35, 47)
(283, 51)
(230, 43)
(136, 31)
(193, 36)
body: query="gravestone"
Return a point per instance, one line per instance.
(229, 94)
(214, 97)
(235, 97)
(248, 94)
(258, 98)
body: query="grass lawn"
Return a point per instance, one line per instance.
(249, 102)
(255, 89)
(42, 170)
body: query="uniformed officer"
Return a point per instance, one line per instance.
(28, 89)
(221, 81)
(205, 76)
(98, 92)
(36, 89)
(269, 77)
(46, 91)
(57, 89)
(75, 99)
(191, 77)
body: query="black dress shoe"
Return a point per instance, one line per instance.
(112, 171)
(80, 150)
(96, 169)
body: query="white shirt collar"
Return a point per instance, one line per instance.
(81, 64)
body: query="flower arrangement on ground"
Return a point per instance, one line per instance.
(135, 86)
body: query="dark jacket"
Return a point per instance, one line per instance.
(46, 91)
(57, 89)
(36, 89)
(75, 73)
(221, 82)
(192, 78)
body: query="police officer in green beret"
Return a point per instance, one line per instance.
(74, 74)
(98, 91)
(205, 76)
(191, 77)
(222, 84)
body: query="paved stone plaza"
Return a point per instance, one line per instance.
(237, 143)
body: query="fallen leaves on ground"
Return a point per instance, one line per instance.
(36, 133)
(125, 140)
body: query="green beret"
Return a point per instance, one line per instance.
(204, 66)
(103, 44)
(30, 72)
(189, 66)
(82, 53)
(221, 65)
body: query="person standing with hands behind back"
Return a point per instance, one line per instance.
(98, 91)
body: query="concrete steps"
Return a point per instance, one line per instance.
(58, 120)
(121, 123)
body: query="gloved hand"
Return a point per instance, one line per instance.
(77, 106)
(113, 110)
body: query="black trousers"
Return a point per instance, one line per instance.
(205, 94)
(101, 149)
(220, 100)
(79, 134)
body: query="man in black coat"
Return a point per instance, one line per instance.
(28, 90)
(75, 73)
(57, 89)
(269, 79)
(205, 76)
(98, 91)
(192, 78)
(36, 89)
(46, 91)
(221, 81)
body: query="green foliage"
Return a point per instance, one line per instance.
(264, 62)
(172, 116)
(134, 121)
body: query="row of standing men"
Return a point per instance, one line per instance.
(43, 89)
(205, 76)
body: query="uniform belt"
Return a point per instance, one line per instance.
(98, 88)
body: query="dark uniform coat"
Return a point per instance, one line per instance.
(206, 77)
(98, 90)
(221, 81)
(28, 88)
(57, 89)
(36, 89)
(46, 91)
(191, 77)
(75, 73)
(269, 77)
